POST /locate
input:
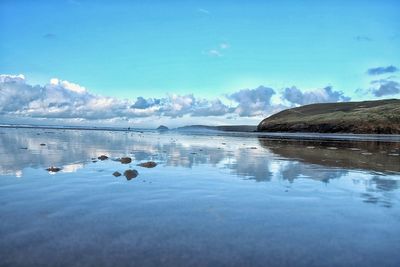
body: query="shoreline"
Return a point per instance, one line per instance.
(269, 135)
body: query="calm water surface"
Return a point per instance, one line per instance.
(212, 200)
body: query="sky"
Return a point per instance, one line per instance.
(182, 62)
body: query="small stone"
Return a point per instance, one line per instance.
(53, 169)
(103, 157)
(149, 164)
(117, 174)
(125, 160)
(130, 174)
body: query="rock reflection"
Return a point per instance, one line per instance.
(372, 156)
(307, 157)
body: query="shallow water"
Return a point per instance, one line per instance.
(212, 200)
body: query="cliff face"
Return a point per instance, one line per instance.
(367, 117)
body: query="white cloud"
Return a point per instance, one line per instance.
(20, 78)
(224, 46)
(295, 96)
(214, 53)
(204, 11)
(253, 102)
(68, 85)
(217, 52)
(62, 100)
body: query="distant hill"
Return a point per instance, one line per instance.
(162, 128)
(367, 117)
(225, 128)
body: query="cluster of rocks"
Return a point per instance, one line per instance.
(129, 174)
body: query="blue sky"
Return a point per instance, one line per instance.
(126, 49)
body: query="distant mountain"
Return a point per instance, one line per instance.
(162, 128)
(367, 117)
(225, 128)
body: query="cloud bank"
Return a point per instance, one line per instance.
(60, 99)
(324, 95)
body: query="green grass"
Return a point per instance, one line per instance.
(360, 117)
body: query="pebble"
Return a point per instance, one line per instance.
(53, 169)
(125, 160)
(130, 174)
(149, 164)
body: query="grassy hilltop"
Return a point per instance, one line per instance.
(367, 117)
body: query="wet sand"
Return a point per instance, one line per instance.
(209, 199)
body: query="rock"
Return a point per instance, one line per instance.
(125, 160)
(130, 174)
(149, 164)
(53, 169)
(162, 128)
(103, 157)
(117, 174)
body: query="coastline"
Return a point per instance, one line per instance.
(268, 135)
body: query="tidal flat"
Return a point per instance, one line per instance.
(198, 199)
